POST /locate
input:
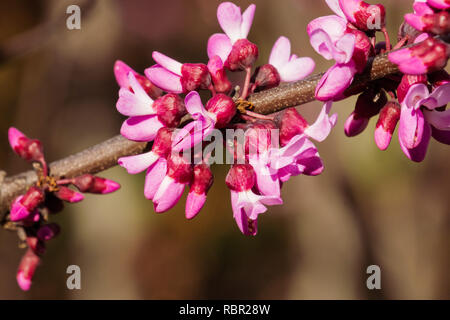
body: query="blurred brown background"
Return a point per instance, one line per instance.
(368, 207)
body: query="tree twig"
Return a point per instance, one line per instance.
(104, 155)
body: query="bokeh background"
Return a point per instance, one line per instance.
(368, 207)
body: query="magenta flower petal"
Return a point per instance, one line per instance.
(23, 282)
(167, 62)
(333, 26)
(219, 45)
(141, 128)
(194, 203)
(421, 8)
(345, 46)
(349, 7)
(14, 136)
(247, 20)
(411, 126)
(194, 104)
(230, 20)
(297, 69)
(439, 4)
(155, 175)
(110, 186)
(164, 79)
(168, 194)
(138, 163)
(320, 129)
(442, 136)
(266, 179)
(334, 5)
(280, 53)
(440, 95)
(382, 138)
(311, 166)
(335, 81)
(18, 210)
(407, 63)
(354, 126)
(438, 119)
(121, 71)
(418, 153)
(416, 95)
(415, 21)
(136, 103)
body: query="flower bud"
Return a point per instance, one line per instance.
(387, 121)
(35, 244)
(27, 149)
(429, 55)
(163, 142)
(363, 49)
(437, 23)
(291, 123)
(179, 169)
(195, 76)
(218, 75)
(68, 195)
(240, 177)
(93, 184)
(407, 82)
(22, 207)
(243, 55)
(439, 4)
(368, 104)
(48, 231)
(363, 15)
(170, 109)
(26, 270)
(223, 107)
(202, 180)
(258, 137)
(266, 77)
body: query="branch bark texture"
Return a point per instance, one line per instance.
(104, 155)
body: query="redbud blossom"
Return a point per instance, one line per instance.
(202, 180)
(27, 268)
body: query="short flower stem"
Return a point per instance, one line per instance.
(386, 36)
(212, 89)
(401, 43)
(258, 115)
(248, 75)
(64, 182)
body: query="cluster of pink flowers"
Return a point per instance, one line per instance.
(29, 213)
(417, 99)
(256, 177)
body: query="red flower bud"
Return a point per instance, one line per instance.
(68, 195)
(27, 149)
(170, 109)
(202, 180)
(223, 107)
(364, 16)
(26, 270)
(266, 77)
(387, 121)
(195, 76)
(36, 245)
(243, 55)
(179, 169)
(93, 184)
(240, 177)
(291, 123)
(163, 142)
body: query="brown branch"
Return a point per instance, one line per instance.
(104, 155)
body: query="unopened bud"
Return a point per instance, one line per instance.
(387, 121)
(36, 245)
(27, 149)
(364, 16)
(179, 169)
(243, 55)
(48, 231)
(195, 76)
(93, 184)
(240, 177)
(266, 77)
(26, 270)
(202, 180)
(22, 207)
(291, 123)
(223, 107)
(68, 195)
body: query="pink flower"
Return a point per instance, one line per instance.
(23, 206)
(93, 184)
(430, 55)
(245, 203)
(68, 195)
(170, 190)
(26, 148)
(202, 180)
(233, 48)
(121, 71)
(146, 116)
(290, 67)
(439, 4)
(426, 19)
(363, 15)
(195, 131)
(418, 114)
(27, 268)
(173, 76)
(387, 121)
